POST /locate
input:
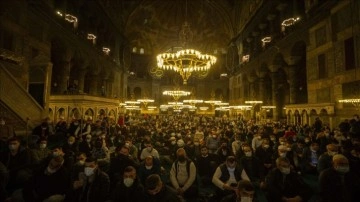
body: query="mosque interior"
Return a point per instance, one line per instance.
(282, 60)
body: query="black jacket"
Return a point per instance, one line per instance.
(98, 190)
(291, 185)
(332, 189)
(167, 194)
(135, 193)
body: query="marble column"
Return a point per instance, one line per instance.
(274, 87)
(293, 78)
(63, 83)
(81, 79)
(93, 85)
(47, 87)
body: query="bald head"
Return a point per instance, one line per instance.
(340, 163)
(181, 151)
(181, 155)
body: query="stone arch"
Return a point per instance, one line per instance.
(75, 113)
(112, 114)
(297, 117)
(51, 113)
(89, 114)
(313, 114)
(305, 116)
(61, 112)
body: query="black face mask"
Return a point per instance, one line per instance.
(181, 158)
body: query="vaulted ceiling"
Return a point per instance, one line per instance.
(155, 24)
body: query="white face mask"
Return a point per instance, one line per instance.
(246, 199)
(331, 153)
(127, 144)
(148, 167)
(231, 169)
(42, 146)
(56, 154)
(173, 142)
(13, 147)
(266, 146)
(128, 182)
(282, 154)
(89, 171)
(342, 169)
(2, 122)
(196, 143)
(285, 171)
(248, 154)
(50, 170)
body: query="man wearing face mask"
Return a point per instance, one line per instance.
(93, 185)
(119, 163)
(149, 150)
(285, 186)
(325, 160)
(339, 183)
(129, 189)
(86, 145)
(226, 177)
(148, 167)
(244, 192)
(252, 166)
(48, 183)
(42, 151)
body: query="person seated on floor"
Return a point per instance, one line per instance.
(92, 185)
(325, 160)
(149, 150)
(244, 192)
(206, 165)
(311, 159)
(148, 167)
(48, 183)
(226, 178)
(223, 151)
(133, 149)
(42, 151)
(157, 191)
(17, 161)
(284, 185)
(252, 166)
(183, 175)
(119, 163)
(129, 189)
(339, 182)
(264, 154)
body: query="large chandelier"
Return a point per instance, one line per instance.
(185, 62)
(176, 94)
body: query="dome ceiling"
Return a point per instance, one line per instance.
(154, 25)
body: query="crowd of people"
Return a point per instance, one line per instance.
(181, 158)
